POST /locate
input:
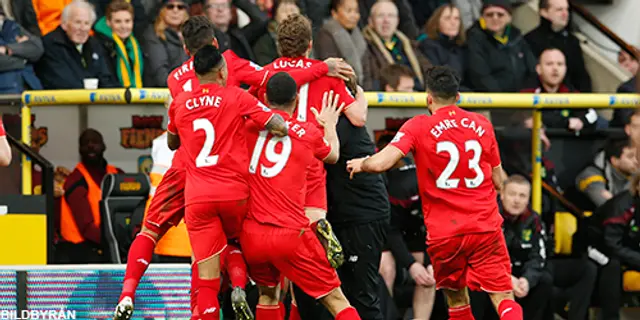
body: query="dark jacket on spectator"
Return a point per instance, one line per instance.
(619, 226)
(559, 118)
(446, 52)
(25, 15)
(61, 66)
(317, 11)
(332, 40)
(407, 23)
(16, 67)
(621, 116)
(378, 56)
(265, 49)
(495, 66)
(544, 37)
(162, 56)
(525, 241)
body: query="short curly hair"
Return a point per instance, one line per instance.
(197, 32)
(293, 36)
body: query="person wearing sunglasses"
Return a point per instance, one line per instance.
(162, 43)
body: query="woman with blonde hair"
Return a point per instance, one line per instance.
(162, 43)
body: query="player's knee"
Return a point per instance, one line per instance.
(149, 233)
(269, 295)
(457, 298)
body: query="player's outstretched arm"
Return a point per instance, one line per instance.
(357, 111)
(277, 126)
(379, 162)
(5, 149)
(173, 141)
(328, 119)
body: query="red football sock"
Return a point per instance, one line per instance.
(138, 259)
(349, 313)
(194, 289)
(264, 312)
(509, 310)
(461, 313)
(293, 313)
(282, 310)
(236, 267)
(208, 304)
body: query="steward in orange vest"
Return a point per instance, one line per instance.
(80, 225)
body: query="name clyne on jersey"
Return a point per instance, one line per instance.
(203, 101)
(184, 68)
(447, 124)
(283, 64)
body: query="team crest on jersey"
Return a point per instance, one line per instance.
(526, 235)
(142, 132)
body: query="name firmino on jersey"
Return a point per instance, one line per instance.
(447, 124)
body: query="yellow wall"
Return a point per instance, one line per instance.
(23, 239)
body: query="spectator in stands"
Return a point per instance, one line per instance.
(553, 31)
(340, 36)
(445, 42)
(80, 226)
(265, 49)
(551, 70)
(619, 240)
(40, 17)
(629, 63)
(609, 173)
(5, 149)
(407, 25)
(425, 9)
(71, 54)
(138, 12)
(387, 45)
(470, 11)
(500, 60)
(125, 54)
(239, 40)
(162, 43)
(524, 235)
(19, 50)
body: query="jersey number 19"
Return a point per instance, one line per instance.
(279, 160)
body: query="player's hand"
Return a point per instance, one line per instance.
(420, 275)
(524, 285)
(58, 190)
(330, 112)
(354, 166)
(575, 124)
(339, 69)
(515, 283)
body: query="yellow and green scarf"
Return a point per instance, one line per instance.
(504, 39)
(129, 62)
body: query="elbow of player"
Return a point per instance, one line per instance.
(332, 158)
(356, 119)
(5, 160)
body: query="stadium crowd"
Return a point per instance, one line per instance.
(387, 274)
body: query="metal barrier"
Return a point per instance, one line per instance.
(534, 102)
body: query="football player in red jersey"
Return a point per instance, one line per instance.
(276, 236)
(459, 169)
(210, 122)
(167, 207)
(5, 149)
(295, 43)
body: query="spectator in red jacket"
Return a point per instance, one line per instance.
(551, 70)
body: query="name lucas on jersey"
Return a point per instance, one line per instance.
(283, 64)
(447, 124)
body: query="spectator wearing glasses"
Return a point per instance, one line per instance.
(500, 60)
(265, 48)
(162, 43)
(239, 40)
(445, 42)
(125, 54)
(341, 37)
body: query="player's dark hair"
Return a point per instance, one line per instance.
(206, 59)
(281, 90)
(391, 74)
(616, 148)
(197, 32)
(293, 35)
(442, 83)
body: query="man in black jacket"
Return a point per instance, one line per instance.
(553, 32)
(72, 55)
(618, 237)
(532, 283)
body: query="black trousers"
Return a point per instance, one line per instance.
(533, 305)
(573, 282)
(610, 290)
(362, 246)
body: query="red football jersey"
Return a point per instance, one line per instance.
(455, 152)
(309, 94)
(210, 124)
(277, 170)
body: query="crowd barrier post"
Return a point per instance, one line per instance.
(483, 101)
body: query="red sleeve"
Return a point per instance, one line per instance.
(345, 96)
(405, 138)
(320, 146)
(254, 109)
(171, 127)
(305, 76)
(245, 71)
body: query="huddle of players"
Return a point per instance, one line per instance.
(216, 122)
(218, 131)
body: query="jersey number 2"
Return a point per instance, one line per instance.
(204, 158)
(444, 181)
(278, 159)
